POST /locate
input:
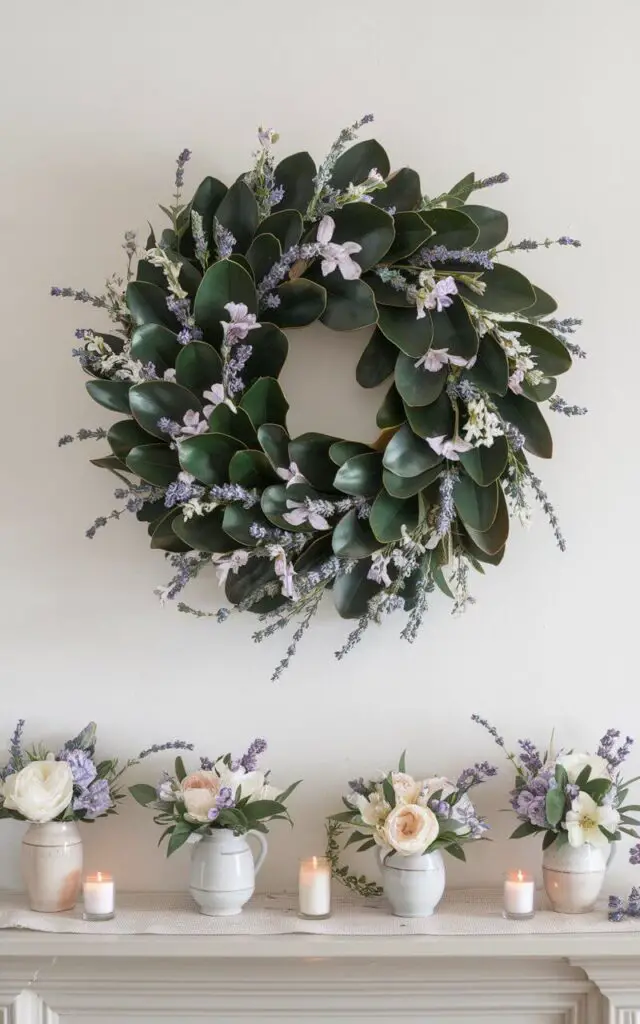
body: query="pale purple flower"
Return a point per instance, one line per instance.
(283, 570)
(83, 770)
(224, 800)
(291, 474)
(634, 854)
(440, 296)
(95, 800)
(449, 447)
(302, 514)
(215, 396)
(241, 321)
(336, 255)
(193, 425)
(435, 358)
(378, 571)
(229, 563)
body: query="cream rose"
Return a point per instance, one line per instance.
(573, 764)
(41, 791)
(199, 793)
(410, 829)
(405, 787)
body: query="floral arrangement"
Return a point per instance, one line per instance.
(404, 815)
(38, 785)
(470, 349)
(571, 797)
(225, 793)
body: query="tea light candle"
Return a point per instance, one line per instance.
(314, 888)
(99, 897)
(519, 896)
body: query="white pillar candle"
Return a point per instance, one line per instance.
(99, 895)
(314, 887)
(519, 895)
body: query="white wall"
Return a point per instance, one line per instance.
(97, 100)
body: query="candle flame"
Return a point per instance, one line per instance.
(314, 861)
(98, 876)
(520, 876)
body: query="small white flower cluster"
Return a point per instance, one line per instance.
(170, 268)
(362, 193)
(482, 426)
(114, 365)
(521, 363)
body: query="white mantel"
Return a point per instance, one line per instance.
(586, 977)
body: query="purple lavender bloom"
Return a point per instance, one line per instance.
(224, 801)
(82, 767)
(480, 772)
(494, 179)
(441, 807)
(223, 239)
(169, 426)
(440, 254)
(634, 854)
(530, 756)
(183, 157)
(276, 195)
(565, 240)
(607, 748)
(231, 374)
(95, 800)
(530, 807)
(491, 729)
(358, 787)
(249, 761)
(206, 764)
(572, 791)
(182, 489)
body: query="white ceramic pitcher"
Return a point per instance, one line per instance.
(223, 871)
(52, 865)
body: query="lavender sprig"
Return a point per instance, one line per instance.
(536, 486)
(323, 176)
(84, 434)
(157, 748)
(99, 301)
(613, 752)
(440, 254)
(474, 776)
(557, 404)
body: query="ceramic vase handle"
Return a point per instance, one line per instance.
(262, 843)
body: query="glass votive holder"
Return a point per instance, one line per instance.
(99, 895)
(519, 896)
(314, 888)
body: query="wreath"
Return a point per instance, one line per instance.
(470, 346)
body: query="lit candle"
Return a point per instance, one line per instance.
(99, 897)
(519, 895)
(314, 888)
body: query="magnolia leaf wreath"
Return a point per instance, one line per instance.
(470, 348)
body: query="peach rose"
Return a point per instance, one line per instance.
(199, 792)
(410, 829)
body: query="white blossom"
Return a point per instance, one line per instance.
(226, 563)
(335, 254)
(449, 447)
(482, 425)
(300, 514)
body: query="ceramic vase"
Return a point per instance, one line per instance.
(52, 865)
(223, 871)
(414, 885)
(573, 876)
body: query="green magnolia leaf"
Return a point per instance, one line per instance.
(432, 420)
(156, 399)
(377, 362)
(310, 452)
(113, 464)
(125, 435)
(492, 224)
(243, 584)
(477, 553)
(411, 335)
(411, 233)
(407, 455)
(461, 191)
(491, 370)
(352, 537)
(352, 590)
(251, 468)
(350, 304)
(207, 457)
(238, 213)
(198, 367)
(286, 226)
(451, 228)
(507, 291)
(526, 416)
(274, 441)
(539, 392)
(417, 385)
(206, 200)
(224, 420)
(111, 394)
(264, 402)
(343, 450)
(367, 225)
(226, 281)
(354, 165)
(269, 348)
(314, 554)
(543, 306)
(484, 465)
(301, 303)
(148, 305)
(360, 475)
(389, 515)
(453, 330)
(477, 506)
(403, 191)
(549, 353)
(274, 505)
(155, 463)
(391, 412)
(237, 522)
(163, 537)
(406, 487)
(491, 541)
(153, 343)
(386, 295)
(242, 262)
(295, 175)
(204, 533)
(263, 252)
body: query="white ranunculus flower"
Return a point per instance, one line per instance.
(373, 809)
(41, 791)
(410, 829)
(405, 787)
(573, 764)
(584, 819)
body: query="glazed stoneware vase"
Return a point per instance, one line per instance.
(573, 876)
(223, 871)
(414, 885)
(52, 865)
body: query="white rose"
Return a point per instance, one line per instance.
(410, 829)
(199, 793)
(405, 787)
(573, 764)
(41, 791)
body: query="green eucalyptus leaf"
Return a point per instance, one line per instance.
(198, 367)
(477, 506)
(234, 423)
(148, 305)
(353, 167)
(238, 213)
(315, 553)
(269, 348)
(432, 420)
(156, 399)
(295, 175)
(412, 335)
(526, 416)
(453, 330)
(492, 224)
(286, 226)
(206, 200)
(155, 463)
(251, 468)
(386, 295)
(207, 457)
(204, 533)
(360, 475)
(163, 537)
(352, 591)
(507, 291)
(111, 394)
(406, 487)
(226, 281)
(451, 228)
(310, 452)
(153, 343)
(352, 537)
(367, 225)
(377, 362)
(389, 515)
(264, 402)
(350, 304)
(391, 412)
(242, 262)
(301, 303)
(416, 385)
(125, 435)
(493, 540)
(243, 584)
(263, 252)
(237, 522)
(411, 234)
(491, 369)
(407, 455)
(550, 355)
(274, 441)
(403, 191)
(343, 450)
(544, 305)
(274, 505)
(484, 465)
